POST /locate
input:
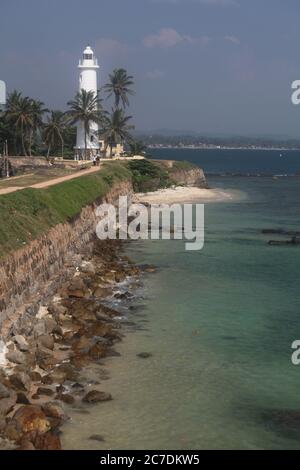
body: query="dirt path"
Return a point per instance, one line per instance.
(53, 182)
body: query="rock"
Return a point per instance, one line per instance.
(77, 288)
(97, 437)
(66, 398)
(39, 328)
(13, 431)
(51, 325)
(20, 381)
(4, 391)
(21, 343)
(17, 357)
(45, 358)
(46, 341)
(54, 410)
(31, 418)
(69, 372)
(48, 441)
(47, 380)
(35, 376)
(102, 292)
(7, 404)
(144, 355)
(88, 268)
(98, 351)
(95, 396)
(25, 444)
(22, 399)
(77, 386)
(45, 391)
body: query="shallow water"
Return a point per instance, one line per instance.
(219, 323)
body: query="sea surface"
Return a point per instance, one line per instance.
(219, 324)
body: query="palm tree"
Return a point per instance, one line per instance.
(37, 112)
(85, 108)
(119, 85)
(18, 112)
(116, 128)
(137, 147)
(54, 129)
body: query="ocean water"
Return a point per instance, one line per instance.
(219, 324)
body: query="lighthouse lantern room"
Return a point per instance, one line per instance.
(88, 67)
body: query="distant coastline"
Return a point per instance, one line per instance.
(218, 147)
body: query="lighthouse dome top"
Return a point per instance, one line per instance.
(88, 59)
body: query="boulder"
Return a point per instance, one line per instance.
(97, 437)
(47, 441)
(144, 355)
(31, 418)
(45, 391)
(22, 399)
(4, 391)
(54, 410)
(95, 396)
(46, 341)
(20, 381)
(17, 357)
(7, 404)
(21, 343)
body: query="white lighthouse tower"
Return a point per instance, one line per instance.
(88, 67)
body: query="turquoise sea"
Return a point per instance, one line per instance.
(219, 324)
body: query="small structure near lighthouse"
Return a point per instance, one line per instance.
(2, 94)
(88, 67)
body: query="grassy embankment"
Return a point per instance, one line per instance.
(28, 213)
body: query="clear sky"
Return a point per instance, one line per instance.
(213, 66)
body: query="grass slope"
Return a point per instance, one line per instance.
(26, 214)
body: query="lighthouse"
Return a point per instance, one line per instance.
(88, 67)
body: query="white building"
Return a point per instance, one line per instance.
(2, 94)
(88, 67)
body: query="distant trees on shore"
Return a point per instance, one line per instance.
(29, 128)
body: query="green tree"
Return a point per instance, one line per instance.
(37, 112)
(85, 108)
(19, 114)
(119, 86)
(137, 147)
(116, 128)
(54, 131)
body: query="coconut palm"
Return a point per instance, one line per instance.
(85, 108)
(19, 113)
(119, 86)
(54, 129)
(116, 128)
(37, 112)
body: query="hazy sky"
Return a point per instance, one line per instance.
(213, 66)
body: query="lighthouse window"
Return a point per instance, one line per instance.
(92, 138)
(88, 56)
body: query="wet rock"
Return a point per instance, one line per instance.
(54, 410)
(77, 289)
(97, 437)
(39, 328)
(102, 292)
(98, 351)
(21, 343)
(4, 391)
(95, 396)
(77, 386)
(66, 398)
(16, 357)
(45, 391)
(13, 431)
(31, 418)
(22, 399)
(45, 358)
(68, 371)
(144, 355)
(47, 441)
(20, 381)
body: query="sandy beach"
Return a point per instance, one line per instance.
(181, 194)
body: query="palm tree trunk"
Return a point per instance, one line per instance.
(30, 142)
(48, 153)
(85, 143)
(23, 143)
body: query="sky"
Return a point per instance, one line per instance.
(217, 67)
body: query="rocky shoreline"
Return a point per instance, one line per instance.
(42, 359)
